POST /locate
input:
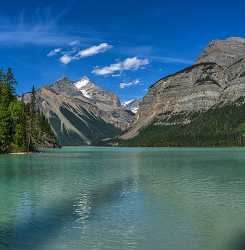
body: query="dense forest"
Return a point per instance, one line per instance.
(22, 126)
(222, 125)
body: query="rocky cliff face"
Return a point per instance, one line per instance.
(218, 77)
(224, 52)
(80, 112)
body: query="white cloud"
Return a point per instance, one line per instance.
(54, 52)
(65, 59)
(132, 63)
(94, 50)
(129, 84)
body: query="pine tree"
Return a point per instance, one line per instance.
(28, 128)
(22, 126)
(5, 132)
(34, 117)
(5, 117)
(18, 122)
(1, 75)
(10, 81)
(33, 101)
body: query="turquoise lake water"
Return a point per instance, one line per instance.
(123, 198)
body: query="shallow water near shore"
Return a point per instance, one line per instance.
(123, 198)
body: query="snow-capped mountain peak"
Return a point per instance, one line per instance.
(126, 103)
(132, 105)
(85, 86)
(82, 83)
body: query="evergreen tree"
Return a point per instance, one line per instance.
(33, 101)
(28, 128)
(1, 75)
(18, 122)
(5, 131)
(10, 81)
(34, 119)
(22, 127)
(5, 94)
(5, 117)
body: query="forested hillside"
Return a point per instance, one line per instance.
(222, 125)
(22, 127)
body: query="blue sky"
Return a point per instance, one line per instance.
(124, 46)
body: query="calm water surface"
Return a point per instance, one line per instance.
(119, 198)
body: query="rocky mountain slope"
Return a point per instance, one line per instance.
(217, 78)
(81, 113)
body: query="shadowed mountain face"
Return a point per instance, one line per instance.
(218, 77)
(80, 112)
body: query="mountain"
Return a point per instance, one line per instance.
(132, 105)
(216, 82)
(80, 112)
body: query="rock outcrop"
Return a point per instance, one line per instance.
(218, 77)
(224, 52)
(81, 113)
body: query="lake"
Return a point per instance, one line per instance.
(123, 198)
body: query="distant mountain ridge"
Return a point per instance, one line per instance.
(215, 81)
(80, 112)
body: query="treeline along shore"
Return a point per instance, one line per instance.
(22, 127)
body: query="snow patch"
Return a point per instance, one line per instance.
(132, 105)
(126, 103)
(85, 93)
(82, 83)
(134, 110)
(82, 86)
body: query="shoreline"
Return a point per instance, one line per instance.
(19, 153)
